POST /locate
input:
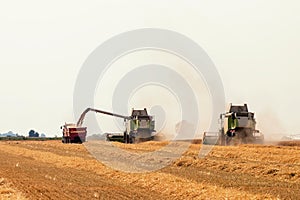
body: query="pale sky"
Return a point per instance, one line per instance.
(253, 43)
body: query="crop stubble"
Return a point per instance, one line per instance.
(51, 170)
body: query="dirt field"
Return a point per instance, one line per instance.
(51, 170)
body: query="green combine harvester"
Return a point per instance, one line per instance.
(238, 126)
(140, 127)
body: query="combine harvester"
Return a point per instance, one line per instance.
(139, 127)
(238, 126)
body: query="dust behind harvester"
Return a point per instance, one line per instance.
(237, 126)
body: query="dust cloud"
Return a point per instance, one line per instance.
(270, 124)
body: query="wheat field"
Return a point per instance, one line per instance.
(52, 170)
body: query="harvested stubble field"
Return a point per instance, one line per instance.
(52, 170)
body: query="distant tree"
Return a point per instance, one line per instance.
(31, 133)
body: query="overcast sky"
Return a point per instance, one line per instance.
(43, 44)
